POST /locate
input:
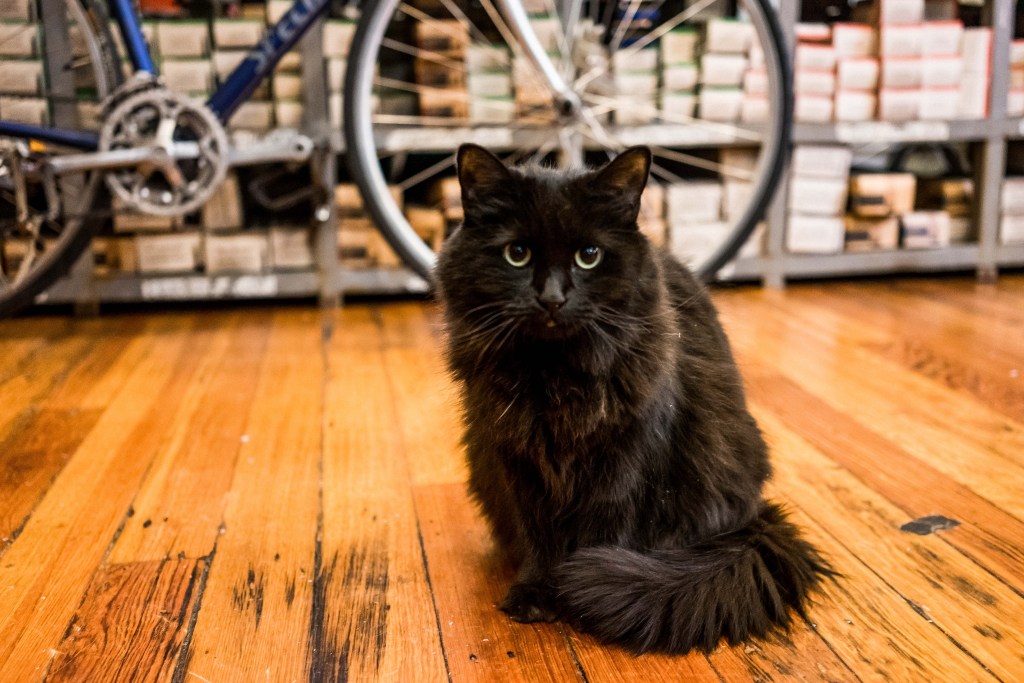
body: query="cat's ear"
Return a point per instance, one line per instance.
(481, 174)
(624, 178)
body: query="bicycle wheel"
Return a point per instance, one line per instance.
(425, 76)
(45, 224)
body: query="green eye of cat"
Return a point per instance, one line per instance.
(589, 257)
(517, 254)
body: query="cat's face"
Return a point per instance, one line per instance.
(544, 253)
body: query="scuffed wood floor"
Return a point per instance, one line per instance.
(274, 494)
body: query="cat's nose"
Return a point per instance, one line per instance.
(553, 296)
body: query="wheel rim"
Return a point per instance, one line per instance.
(363, 138)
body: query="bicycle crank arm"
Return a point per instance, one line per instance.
(277, 147)
(120, 158)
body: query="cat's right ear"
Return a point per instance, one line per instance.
(481, 174)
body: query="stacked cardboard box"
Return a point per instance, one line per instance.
(489, 84)
(693, 211)
(635, 76)
(817, 199)
(360, 244)
(1011, 231)
(723, 65)
(954, 196)
(441, 68)
(1015, 98)
(22, 73)
(680, 72)
(894, 63)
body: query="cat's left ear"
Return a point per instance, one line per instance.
(625, 177)
(481, 174)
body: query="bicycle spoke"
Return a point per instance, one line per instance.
(427, 173)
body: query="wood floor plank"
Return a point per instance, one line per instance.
(991, 536)
(45, 573)
(968, 604)
(930, 339)
(375, 609)
(605, 664)
(131, 624)
(427, 400)
(179, 508)
(801, 656)
(254, 620)
(980, 448)
(31, 459)
(469, 580)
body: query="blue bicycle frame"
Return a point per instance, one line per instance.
(231, 94)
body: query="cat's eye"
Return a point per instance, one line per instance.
(517, 254)
(589, 257)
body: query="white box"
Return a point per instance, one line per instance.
(1016, 52)
(722, 70)
(942, 38)
(21, 77)
(636, 110)
(694, 243)
(736, 196)
(925, 229)
(939, 104)
(901, 72)
(899, 104)
(755, 82)
(815, 82)
(815, 56)
(813, 108)
(976, 50)
(900, 11)
(290, 248)
(939, 72)
(1011, 230)
(237, 33)
(739, 159)
(822, 161)
(291, 62)
(854, 40)
(335, 109)
(277, 9)
(183, 38)
(548, 30)
(754, 246)
(815, 234)
(236, 253)
(728, 35)
(817, 196)
(855, 105)
(1015, 103)
(678, 105)
(720, 104)
(679, 46)
(680, 77)
(493, 110)
(754, 109)
(807, 32)
(857, 73)
(636, 83)
(1011, 199)
(19, 40)
(488, 58)
(973, 97)
(337, 36)
(696, 201)
(188, 75)
(226, 61)
(173, 253)
(645, 59)
(900, 41)
(489, 84)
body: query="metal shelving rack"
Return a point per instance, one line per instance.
(985, 257)
(328, 280)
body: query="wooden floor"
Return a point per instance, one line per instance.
(277, 494)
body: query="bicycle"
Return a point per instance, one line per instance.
(162, 153)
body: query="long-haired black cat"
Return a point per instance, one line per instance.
(609, 442)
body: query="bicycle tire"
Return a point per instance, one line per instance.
(77, 232)
(366, 173)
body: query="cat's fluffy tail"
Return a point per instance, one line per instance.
(737, 585)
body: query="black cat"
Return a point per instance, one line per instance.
(609, 442)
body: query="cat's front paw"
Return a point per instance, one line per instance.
(529, 602)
